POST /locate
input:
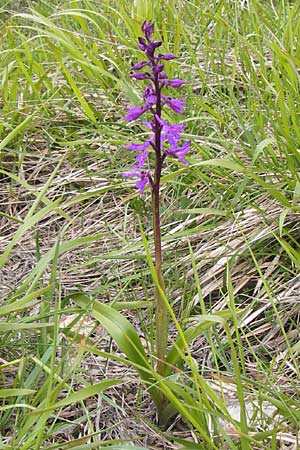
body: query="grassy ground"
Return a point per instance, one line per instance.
(69, 227)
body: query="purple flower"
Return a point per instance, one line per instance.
(143, 175)
(138, 147)
(140, 75)
(142, 182)
(135, 112)
(150, 49)
(147, 29)
(141, 158)
(171, 133)
(150, 96)
(157, 69)
(150, 124)
(148, 91)
(163, 76)
(142, 44)
(167, 56)
(139, 65)
(175, 83)
(179, 152)
(177, 104)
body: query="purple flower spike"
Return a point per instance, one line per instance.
(165, 138)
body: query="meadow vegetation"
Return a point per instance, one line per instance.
(77, 354)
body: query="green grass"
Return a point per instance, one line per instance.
(72, 253)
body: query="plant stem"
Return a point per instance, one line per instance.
(162, 314)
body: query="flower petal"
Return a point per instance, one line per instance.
(163, 76)
(134, 173)
(140, 75)
(179, 152)
(139, 65)
(149, 124)
(176, 83)
(141, 184)
(151, 48)
(142, 44)
(141, 158)
(167, 56)
(138, 147)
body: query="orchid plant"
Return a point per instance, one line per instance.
(165, 141)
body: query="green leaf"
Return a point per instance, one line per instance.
(15, 392)
(17, 130)
(80, 395)
(123, 333)
(261, 146)
(204, 322)
(32, 219)
(16, 326)
(26, 302)
(79, 94)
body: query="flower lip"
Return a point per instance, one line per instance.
(150, 49)
(143, 175)
(163, 76)
(148, 91)
(142, 41)
(141, 183)
(142, 44)
(177, 104)
(179, 152)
